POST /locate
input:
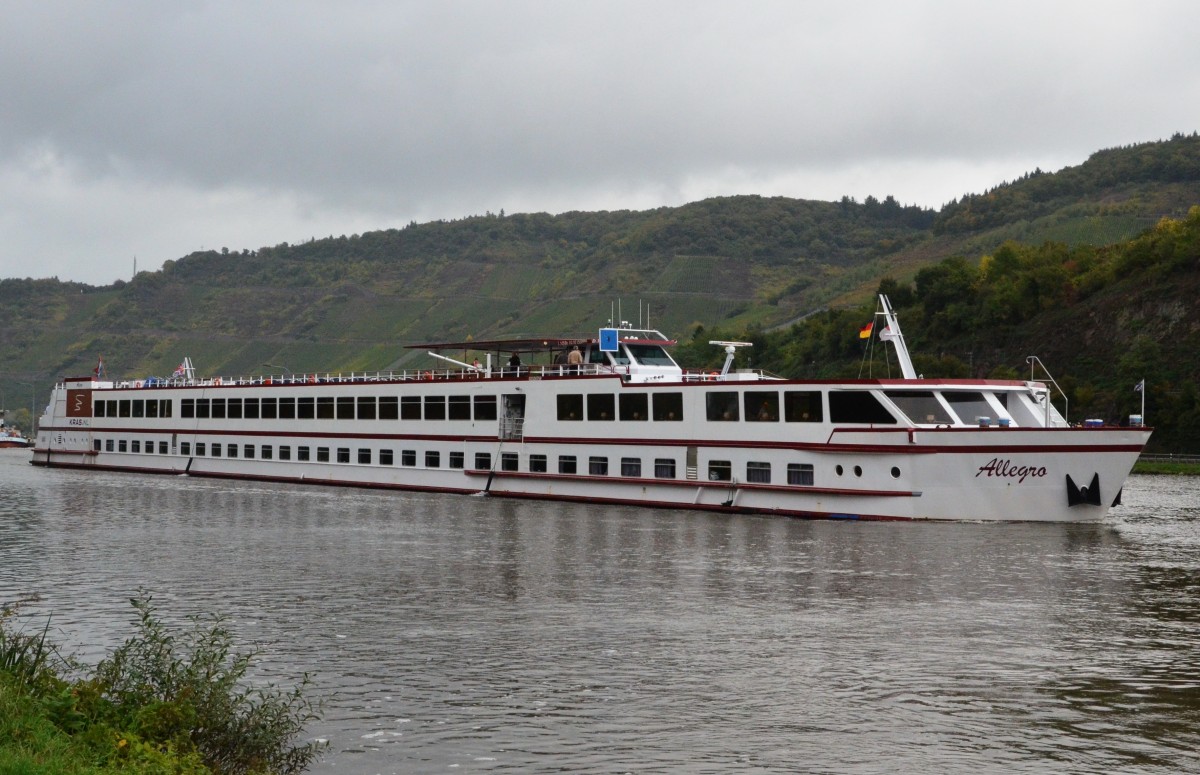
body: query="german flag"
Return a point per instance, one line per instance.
(865, 331)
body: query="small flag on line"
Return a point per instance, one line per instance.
(865, 331)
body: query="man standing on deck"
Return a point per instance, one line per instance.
(574, 359)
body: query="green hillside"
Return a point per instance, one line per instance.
(741, 264)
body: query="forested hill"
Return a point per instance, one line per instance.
(742, 263)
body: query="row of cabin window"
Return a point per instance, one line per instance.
(342, 408)
(727, 406)
(137, 407)
(664, 468)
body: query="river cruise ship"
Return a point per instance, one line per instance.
(614, 419)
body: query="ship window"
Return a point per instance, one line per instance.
(389, 408)
(483, 461)
(152, 408)
(306, 408)
(635, 406)
(969, 406)
(664, 468)
(112, 408)
(385, 457)
(759, 473)
(266, 452)
(459, 408)
(164, 407)
(96, 444)
(433, 459)
(408, 457)
(285, 452)
(269, 408)
(162, 447)
(202, 405)
(435, 407)
(248, 450)
(250, 408)
(457, 459)
(149, 447)
(123, 405)
(508, 461)
(570, 406)
(136, 446)
(802, 406)
(216, 450)
(108, 445)
(231, 450)
(410, 408)
(98, 408)
(668, 407)
(366, 408)
(650, 354)
(322, 454)
(537, 464)
(858, 406)
(921, 406)
(800, 473)
(233, 409)
(185, 448)
(302, 453)
(720, 471)
(345, 408)
(139, 407)
(761, 406)
(631, 466)
(343, 454)
(598, 466)
(721, 406)
(601, 406)
(485, 407)
(325, 407)
(217, 409)
(364, 457)
(566, 464)
(201, 448)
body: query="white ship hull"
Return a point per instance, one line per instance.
(513, 437)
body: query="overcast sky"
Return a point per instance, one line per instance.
(153, 129)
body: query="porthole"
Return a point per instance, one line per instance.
(858, 470)
(895, 472)
(838, 470)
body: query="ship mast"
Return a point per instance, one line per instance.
(893, 334)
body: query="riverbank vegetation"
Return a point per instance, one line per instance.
(168, 701)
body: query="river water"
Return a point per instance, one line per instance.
(463, 634)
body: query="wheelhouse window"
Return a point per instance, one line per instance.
(721, 406)
(634, 407)
(761, 405)
(969, 406)
(570, 406)
(920, 406)
(668, 407)
(649, 354)
(601, 407)
(802, 406)
(858, 406)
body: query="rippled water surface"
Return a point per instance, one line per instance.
(461, 634)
